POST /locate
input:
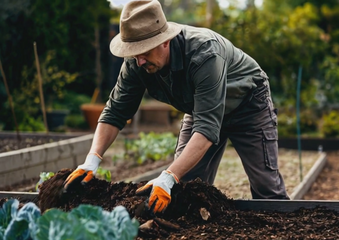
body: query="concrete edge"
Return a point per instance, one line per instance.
(309, 179)
(48, 145)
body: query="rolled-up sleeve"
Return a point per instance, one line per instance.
(210, 82)
(124, 99)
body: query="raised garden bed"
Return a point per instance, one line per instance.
(229, 218)
(35, 153)
(200, 211)
(235, 185)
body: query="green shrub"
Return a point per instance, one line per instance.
(29, 124)
(309, 121)
(330, 127)
(151, 146)
(287, 125)
(72, 101)
(76, 121)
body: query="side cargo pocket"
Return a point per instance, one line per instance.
(270, 144)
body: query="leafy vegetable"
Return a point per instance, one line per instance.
(104, 174)
(7, 212)
(43, 177)
(82, 223)
(18, 224)
(151, 146)
(23, 225)
(87, 222)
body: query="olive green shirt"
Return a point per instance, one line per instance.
(208, 78)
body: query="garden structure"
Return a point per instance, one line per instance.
(197, 210)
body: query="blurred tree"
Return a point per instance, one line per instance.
(71, 29)
(280, 41)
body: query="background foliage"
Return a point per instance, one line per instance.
(281, 36)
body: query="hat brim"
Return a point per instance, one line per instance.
(129, 49)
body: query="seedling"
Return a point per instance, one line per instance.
(43, 177)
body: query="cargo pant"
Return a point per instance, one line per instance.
(252, 129)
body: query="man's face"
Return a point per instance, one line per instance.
(155, 59)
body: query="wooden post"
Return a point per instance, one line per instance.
(40, 87)
(209, 13)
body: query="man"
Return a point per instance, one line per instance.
(222, 91)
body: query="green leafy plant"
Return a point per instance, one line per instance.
(104, 174)
(83, 222)
(330, 127)
(18, 223)
(88, 222)
(43, 177)
(31, 124)
(76, 121)
(151, 146)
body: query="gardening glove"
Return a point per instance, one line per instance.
(160, 189)
(84, 172)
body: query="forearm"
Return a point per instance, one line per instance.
(104, 136)
(195, 149)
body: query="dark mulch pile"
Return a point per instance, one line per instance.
(192, 201)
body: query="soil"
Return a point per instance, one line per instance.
(192, 202)
(195, 200)
(11, 144)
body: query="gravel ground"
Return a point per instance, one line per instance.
(326, 186)
(232, 179)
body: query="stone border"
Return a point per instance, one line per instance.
(310, 177)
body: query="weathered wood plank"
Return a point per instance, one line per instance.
(309, 179)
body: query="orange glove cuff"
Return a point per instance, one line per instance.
(174, 176)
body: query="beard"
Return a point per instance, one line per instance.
(150, 67)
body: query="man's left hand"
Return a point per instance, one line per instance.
(160, 189)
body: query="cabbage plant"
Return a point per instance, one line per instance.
(84, 222)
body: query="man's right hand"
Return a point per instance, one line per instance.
(84, 172)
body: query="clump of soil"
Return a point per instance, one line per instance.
(51, 191)
(187, 198)
(197, 211)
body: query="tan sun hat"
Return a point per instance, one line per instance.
(143, 26)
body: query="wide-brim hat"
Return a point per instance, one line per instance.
(143, 26)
